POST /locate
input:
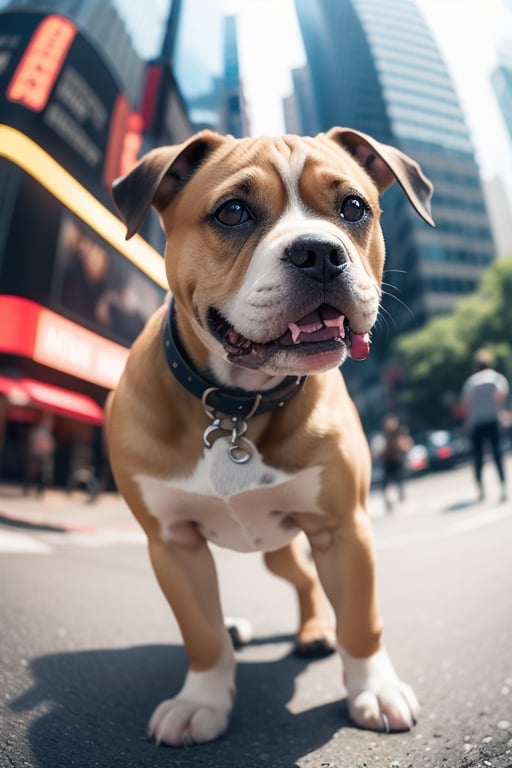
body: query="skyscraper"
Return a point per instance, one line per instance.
(376, 67)
(502, 83)
(236, 117)
(303, 104)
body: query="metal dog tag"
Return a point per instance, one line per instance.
(239, 449)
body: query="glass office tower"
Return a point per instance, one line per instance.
(502, 83)
(376, 67)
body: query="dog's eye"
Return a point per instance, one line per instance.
(232, 213)
(353, 208)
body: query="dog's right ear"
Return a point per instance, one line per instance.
(158, 176)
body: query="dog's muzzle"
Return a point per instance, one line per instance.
(320, 277)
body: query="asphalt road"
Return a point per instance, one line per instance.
(88, 648)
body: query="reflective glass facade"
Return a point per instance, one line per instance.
(235, 112)
(376, 67)
(197, 60)
(502, 82)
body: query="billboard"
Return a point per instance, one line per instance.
(56, 88)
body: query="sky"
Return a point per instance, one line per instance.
(468, 34)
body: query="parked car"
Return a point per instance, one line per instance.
(444, 448)
(416, 460)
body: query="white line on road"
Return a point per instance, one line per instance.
(18, 543)
(473, 523)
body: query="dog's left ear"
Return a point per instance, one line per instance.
(158, 176)
(386, 164)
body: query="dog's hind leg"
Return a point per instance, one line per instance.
(316, 636)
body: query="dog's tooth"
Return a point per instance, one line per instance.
(295, 331)
(234, 337)
(336, 322)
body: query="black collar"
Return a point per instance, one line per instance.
(228, 401)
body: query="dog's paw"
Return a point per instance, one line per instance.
(315, 640)
(200, 712)
(377, 698)
(179, 722)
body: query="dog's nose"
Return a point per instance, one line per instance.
(321, 260)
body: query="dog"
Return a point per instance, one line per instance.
(231, 422)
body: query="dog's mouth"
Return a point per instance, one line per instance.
(323, 330)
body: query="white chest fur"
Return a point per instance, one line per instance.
(244, 507)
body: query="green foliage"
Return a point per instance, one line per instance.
(437, 358)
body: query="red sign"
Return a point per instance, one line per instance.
(29, 330)
(42, 62)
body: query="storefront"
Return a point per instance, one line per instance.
(73, 292)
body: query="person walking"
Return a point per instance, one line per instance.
(40, 452)
(482, 397)
(395, 442)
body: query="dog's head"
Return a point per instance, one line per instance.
(274, 249)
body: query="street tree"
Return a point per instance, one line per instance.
(437, 357)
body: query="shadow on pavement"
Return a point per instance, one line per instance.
(461, 506)
(92, 708)
(14, 522)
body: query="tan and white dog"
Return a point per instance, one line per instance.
(232, 423)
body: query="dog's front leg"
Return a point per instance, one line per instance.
(345, 561)
(200, 711)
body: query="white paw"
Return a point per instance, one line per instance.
(377, 698)
(181, 723)
(200, 712)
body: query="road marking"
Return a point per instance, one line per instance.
(21, 543)
(18, 542)
(476, 521)
(481, 519)
(44, 543)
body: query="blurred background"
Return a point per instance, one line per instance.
(87, 86)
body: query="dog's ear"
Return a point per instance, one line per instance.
(158, 176)
(386, 164)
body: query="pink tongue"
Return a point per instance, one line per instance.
(360, 346)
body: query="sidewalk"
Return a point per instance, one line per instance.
(65, 512)
(430, 494)
(62, 511)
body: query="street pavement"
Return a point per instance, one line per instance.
(88, 646)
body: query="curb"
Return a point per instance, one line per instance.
(27, 521)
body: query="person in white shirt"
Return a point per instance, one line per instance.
(482, 397)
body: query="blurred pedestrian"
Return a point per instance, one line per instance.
(395, 444)
(482, 398)
(40, 453)
(84, 473)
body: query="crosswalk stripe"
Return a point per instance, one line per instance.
(18, 542)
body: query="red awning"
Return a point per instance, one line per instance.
(29, 392)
